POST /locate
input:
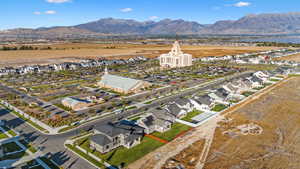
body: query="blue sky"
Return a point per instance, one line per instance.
(44, 13)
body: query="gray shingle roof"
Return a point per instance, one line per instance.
(182, 101)
(119, 82)
(173, 109)
(100, 139)
(205, 99)
(222, 93)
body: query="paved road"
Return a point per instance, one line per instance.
(53, 144)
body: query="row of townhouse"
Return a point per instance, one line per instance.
(67, 66)
(258, 57)
(230, 91)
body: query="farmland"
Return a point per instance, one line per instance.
(295, 58)
(74, 52)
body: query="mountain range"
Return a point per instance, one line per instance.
(276, 23)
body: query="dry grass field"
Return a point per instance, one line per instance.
(76, 51)
(295, 58)
(277, 147)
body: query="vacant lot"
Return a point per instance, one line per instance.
(277, 147)
(295, 58)
(74, 52)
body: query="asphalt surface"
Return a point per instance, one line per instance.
(53, 145)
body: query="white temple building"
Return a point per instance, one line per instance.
(175, 58)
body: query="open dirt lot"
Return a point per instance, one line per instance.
(295, 58)
(277, 147)
(73, 52)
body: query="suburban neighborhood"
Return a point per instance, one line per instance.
(139, 107)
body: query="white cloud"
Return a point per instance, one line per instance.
(126, 10)
(37, 13)
(58, 1)
(50, 12)
(153, 17)
(242, 4)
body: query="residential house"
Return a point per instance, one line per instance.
(256, 82)
(113, 135)
(158, 120)
(185, 104)
(204, 102)
(176, 111)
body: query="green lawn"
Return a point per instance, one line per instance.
(11, 147)
(191, 114)
(14, 156)
(176, 129)
(135, 118)
(42, 87)
(246, 94)
(274, 80)
(148, 102)
(234, 101)
(11, 132)
(131, 107)
(122, 155)
(219, 107)
(49, 163)
(29, 146)
(259, 88)
(3, 136)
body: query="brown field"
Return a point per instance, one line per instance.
(76, 51)
(295, 58)
(278, 147)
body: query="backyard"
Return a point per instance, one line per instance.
(123, 156)
(190, 115)
(177, 128)
(219, 107)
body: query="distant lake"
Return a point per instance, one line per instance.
(281, 39)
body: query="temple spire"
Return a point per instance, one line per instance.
(176, 50)
(105, 70)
